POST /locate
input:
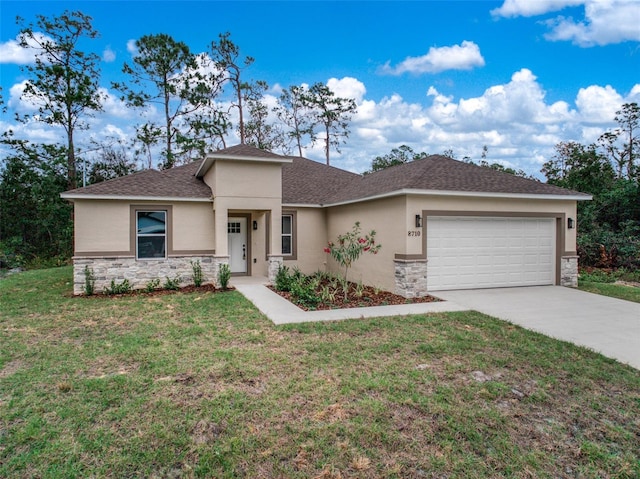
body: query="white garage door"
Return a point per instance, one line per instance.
(478, 252)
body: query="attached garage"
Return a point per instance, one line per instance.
(467, 252)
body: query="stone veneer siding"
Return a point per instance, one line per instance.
(139, 273)
(411, 278)
(569, 271)
(274, 264)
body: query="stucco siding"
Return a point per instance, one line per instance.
(310, 239)
(101, 226)
(388, 217)
(193, 227)
(246, 179)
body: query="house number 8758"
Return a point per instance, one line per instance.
(414, 233)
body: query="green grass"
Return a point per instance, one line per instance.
(203, 385)
(621, 291)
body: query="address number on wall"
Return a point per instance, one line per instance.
(414, 233)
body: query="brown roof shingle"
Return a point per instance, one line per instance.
(440, 173)
(178, 182)
(309, 182)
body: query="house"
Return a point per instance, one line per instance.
(442, 224)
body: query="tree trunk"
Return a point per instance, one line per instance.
(326, 144)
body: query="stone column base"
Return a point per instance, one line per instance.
(411, 278)
(569, 271)
(275, 261)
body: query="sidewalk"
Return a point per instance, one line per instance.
(281, 311)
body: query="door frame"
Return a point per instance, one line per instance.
(247, 216)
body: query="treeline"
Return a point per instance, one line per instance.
(608, 226)
(201, 100)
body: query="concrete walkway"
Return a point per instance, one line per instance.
(607, 325)
(281, 311)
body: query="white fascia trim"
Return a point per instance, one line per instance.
(300, 205)
(476, 194)
(133, 198)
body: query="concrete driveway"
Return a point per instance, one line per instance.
(607, 325)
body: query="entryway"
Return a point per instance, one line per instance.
(237, 233)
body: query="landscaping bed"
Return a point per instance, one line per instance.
(355, 299)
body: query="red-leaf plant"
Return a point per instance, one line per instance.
(350, 246)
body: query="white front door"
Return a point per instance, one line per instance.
(237, 237)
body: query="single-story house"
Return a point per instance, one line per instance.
(441, 223)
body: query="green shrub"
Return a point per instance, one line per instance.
(198, 277)
(172, 284)
(118, 288)
(283, 279)
(304, 293)
(89, 281)
(152, 285)
(597, 276)
(224, 275)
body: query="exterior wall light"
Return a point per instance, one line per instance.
(418, 221)
(255, 225)
(570, 223)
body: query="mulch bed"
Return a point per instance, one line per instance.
(370, 297)
(205, 288)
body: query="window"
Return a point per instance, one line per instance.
(287, 235)
(151, 234)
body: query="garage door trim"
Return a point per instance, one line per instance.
(560, 230)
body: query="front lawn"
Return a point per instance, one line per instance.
(202, 385)
(615, 290)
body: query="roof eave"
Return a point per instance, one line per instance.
(472, 194)
(73, 196)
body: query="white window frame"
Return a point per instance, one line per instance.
(290, 234)
(164, 235)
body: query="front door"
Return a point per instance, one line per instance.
(237, 237)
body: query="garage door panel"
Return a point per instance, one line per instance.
(483, 252)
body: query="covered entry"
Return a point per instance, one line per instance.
(468, 252)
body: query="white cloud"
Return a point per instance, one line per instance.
(108, 55)
(514, 119)
(347, 87)
(12, 52)
(19, 102)
(529, 8)
(604, 22)
(132, 48)
(598, 104)
(457, 57)
(113, 106)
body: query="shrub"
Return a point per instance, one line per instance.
(224, 275)
(283, 279)
(351, 245)
(304, 293)
(198, 277)
(118, 288)
(89, 281)
(172, 284)
(152, 285)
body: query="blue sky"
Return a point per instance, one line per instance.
(515, 75)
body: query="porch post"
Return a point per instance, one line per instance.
(275, 255)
